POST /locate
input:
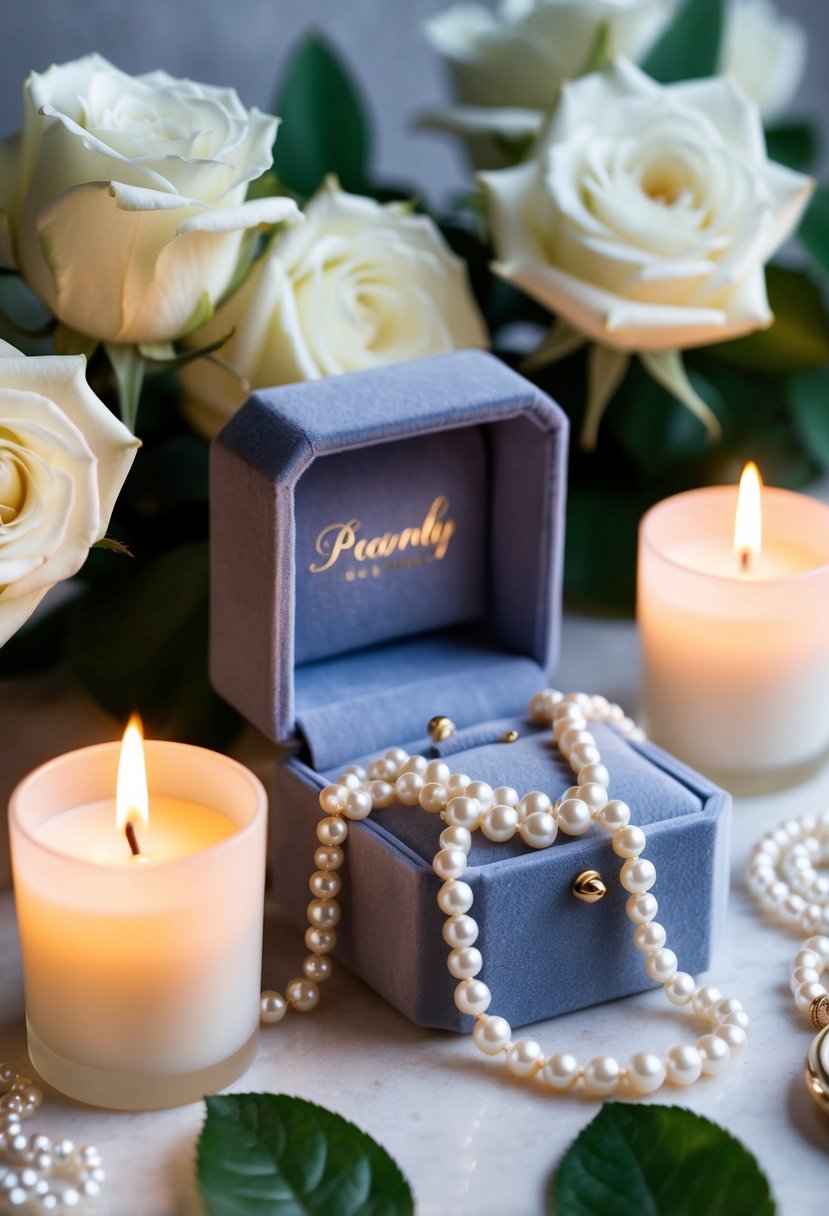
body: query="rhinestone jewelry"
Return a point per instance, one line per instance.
(38, 1174)
(465, 806)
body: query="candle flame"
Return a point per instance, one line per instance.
(748, 524)
(131, 798)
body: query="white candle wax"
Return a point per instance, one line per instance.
(142, 975)
(736, 660)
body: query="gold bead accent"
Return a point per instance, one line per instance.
(819, 1012)
(509, 736)
(815, 1072)
(589, 887)
(440, 728)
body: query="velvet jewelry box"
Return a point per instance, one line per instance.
(387, 546)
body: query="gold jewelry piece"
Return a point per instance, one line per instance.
(819, 1012)
(509, 736)
(440, 728)
(589, 887)
(816, 1070)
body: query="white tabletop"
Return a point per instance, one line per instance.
(471, 1141)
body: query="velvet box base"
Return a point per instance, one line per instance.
(545, 952)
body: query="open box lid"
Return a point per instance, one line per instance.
(387, 545)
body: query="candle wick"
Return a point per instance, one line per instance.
(132, 840)
(745, 560)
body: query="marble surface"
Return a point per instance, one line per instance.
(472, 1142)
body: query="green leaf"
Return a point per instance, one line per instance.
(652, 426)
(808, 399)
(799, 338)
(561, 340)
(814, 230)
(690, 46)
(274, 1155)
(601, 51)
(793, 143)
(657, 1161)
(668, 369)
(111, 545)
(168, 357)
(201, 314)
(139, 641)
(129, 367)
(606, 369)
(325, 127)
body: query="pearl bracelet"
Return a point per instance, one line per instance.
(466, 806)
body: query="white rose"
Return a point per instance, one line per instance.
(358, 285)
(123, 197)
(506, 67)
(63, 460)
(764, 53)
(649, 212)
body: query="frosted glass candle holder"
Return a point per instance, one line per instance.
(142, 976)
(736, 662)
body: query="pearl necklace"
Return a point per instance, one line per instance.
(38, 1174)
(783, 877)
(466, 806)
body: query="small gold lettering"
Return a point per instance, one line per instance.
(434, 533)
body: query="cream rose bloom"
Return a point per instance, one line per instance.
(123, 197)
(358, 285)
(63, 460)
(507, 66)
(648, 213)
(764, 53)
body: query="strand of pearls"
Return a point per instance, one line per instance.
(465, 806)
(38, 1174)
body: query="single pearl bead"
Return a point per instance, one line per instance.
(523, 1057)
(601, 707)
(408, 787)
(416, 765)
(382, 793)
(601, 1076)
(532, 802)
(505, 795)
(324, 884)
(458, 782)
(483, 792)
(819, 945)
(350, 780)
(455, 897)
(324, 913)
(704, 998)
(464, 811)
(437, 771)
(543, 705)
(332, 831)
(499, 823)
(562, 725)
(320, 940)
(591, 773)
(561, 1071)
(572, 791)
(803, 975)
(433, 797)
(358, 804)
(646, 1072)
(568, 711)
(720, 1010)
(460, 931)
(683, 1065)
(661, 965)
(792, 908)
(317, 967)
(397, 755)
(539, 830)
(807, 993)
(715, 1054)
(329, 857)
(355, 770)
(637, 875)
(734, 1036)
(594, 795)
(450, 863)
(455, 838)
(573, 816)
(272, 1007)
(575, 737)
(614, 815)
(737, 1019)
(303, 995)
(680, 989)
(649, 937)
(472, 996)
(629, 841)
(465, 963)
(584, 753)
(808, 958)
(642, 908)
(382, 770)
(492, 1035)
(332, 798)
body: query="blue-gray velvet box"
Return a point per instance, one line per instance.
(387, 546)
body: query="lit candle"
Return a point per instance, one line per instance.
(141, 934)
(733, 610)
